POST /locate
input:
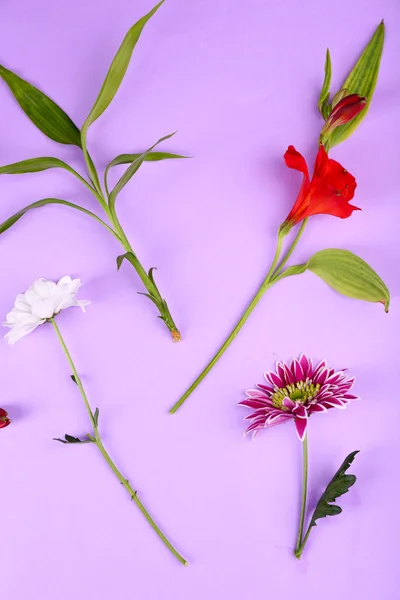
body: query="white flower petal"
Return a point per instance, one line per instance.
(43, 300)
(17, 333)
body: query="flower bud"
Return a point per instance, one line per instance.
(4, 420)
(343, 112)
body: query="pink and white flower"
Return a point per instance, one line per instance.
(296, 391)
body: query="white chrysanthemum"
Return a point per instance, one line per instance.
(41, 301)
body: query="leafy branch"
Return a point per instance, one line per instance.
(52, 120)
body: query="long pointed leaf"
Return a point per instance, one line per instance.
(41, 110)
(34, 165)
(117, 71)
(127, 159)
(362, 81)
(129, 173)
(324, 96)
(14, 218)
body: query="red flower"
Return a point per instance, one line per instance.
(329, 191)
(343, 112)
(4, 420)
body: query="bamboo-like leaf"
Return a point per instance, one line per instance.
(131, 170)
(34, 165)
(127, 159)
(117, 71)
(41, 110)
(339, 485)
(349, 275)
(362, 81)
(14, 218)
(324, 96)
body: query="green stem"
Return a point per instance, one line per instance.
(264, 286)
(118, 232)
(148, 283)
(290, 251)
(98, 442)
(299, 545)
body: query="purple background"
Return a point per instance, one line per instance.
(240, 81)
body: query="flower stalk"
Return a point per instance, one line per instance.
(96, 439)
(272, 276)
(300, 545)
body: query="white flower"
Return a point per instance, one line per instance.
(41, 301)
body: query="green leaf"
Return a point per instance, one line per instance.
(362, 81)
(120, 260)
(70, 439)
(41, 110)
(324, 96)
(131, 170)
(294, 270)
(96, 417)
(14, 218)
(349, 275)
(126, 159)
(74, 379)
(117, 71)
(339, 485)
(34, 165)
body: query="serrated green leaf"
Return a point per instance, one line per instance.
(324, 95)
(362, 81)
(14, 218)
(131, 170)
(41, 110)
(70, 439)
(349, 275)
(127, 159)
(117, 71)
(339, 485)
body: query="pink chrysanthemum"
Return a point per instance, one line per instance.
(296, 392)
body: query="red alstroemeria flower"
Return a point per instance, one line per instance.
(329, 191)
(4, 420)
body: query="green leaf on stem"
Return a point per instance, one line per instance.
(323, 101)
(34, 165)
(127, 159)
(339, 485)
(362, 81)
(96, 417)
(70, 439)
(41, 110)
(14, 218)
(74, 379)
(349, 275)
(117, 71)
(131, 170)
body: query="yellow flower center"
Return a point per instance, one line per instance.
(302, 391)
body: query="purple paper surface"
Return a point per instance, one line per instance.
(240, 82)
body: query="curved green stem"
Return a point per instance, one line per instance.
(299, 545)
(96, 439)
(264, 286)
(290, 251)
(109, 207)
